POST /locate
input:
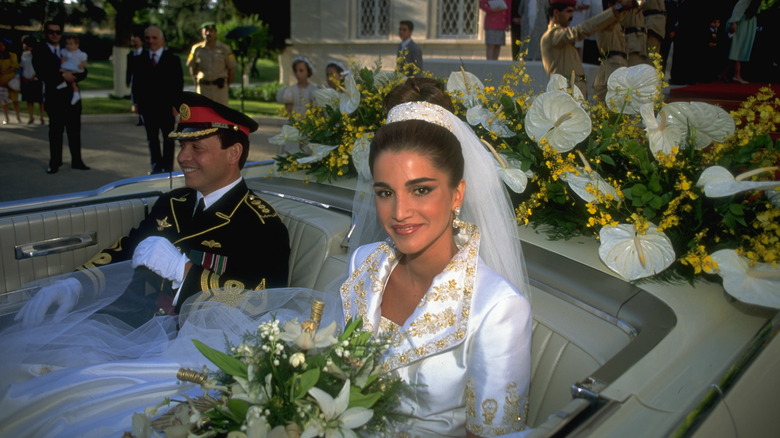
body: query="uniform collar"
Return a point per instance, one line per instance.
(216, 195)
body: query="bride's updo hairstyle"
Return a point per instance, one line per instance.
(419, 90)
(429, 137)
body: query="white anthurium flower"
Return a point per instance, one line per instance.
(662, 135)
(634, 255)
(359, 153)
(586, 178)
(513, 174)
(336, 420)
(560, 83)
(387, 77)
(479, 115)
(326, 97)
(774, 197)
(293, 332)
(318, 152)
(628, 88)
(289, 134)
(556, 116)
(466, 84)
(350, 98)
(718, 182)
(758, 284)
(704, 122)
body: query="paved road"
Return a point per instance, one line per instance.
(112, 145)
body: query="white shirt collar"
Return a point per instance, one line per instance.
(158, 53)
(405, 42)
(214, 196)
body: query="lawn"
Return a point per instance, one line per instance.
(112, 105)
(101, 77)
(101, 74)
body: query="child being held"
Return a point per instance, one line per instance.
(74, 61)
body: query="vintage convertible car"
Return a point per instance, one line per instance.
(610, 358)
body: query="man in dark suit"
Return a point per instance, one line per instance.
(157, 84)
(57, 97)
(136, 49)
(409, 59)
(234, 240)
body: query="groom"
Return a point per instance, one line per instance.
(213, 234)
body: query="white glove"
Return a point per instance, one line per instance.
(65, 293)
(162, 258)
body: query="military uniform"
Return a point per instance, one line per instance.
(559, 54)
(655, 22)
(612, 46)
(238, 243)
(636, 37)
(211, 67)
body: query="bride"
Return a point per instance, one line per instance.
(462, 329)
(449, 285)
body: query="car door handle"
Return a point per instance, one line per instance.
(54, 246)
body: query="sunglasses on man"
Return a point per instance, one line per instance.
(54, 32)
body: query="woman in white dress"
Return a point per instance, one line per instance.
(462, 330)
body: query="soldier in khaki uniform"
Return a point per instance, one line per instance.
(558, 52)
(636, 37)
(212, 65)
(612, 47)
(655, 22)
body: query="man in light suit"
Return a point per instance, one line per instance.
(157, 84)
(409, 59)
(63, 116)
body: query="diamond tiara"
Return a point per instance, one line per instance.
(425, 111)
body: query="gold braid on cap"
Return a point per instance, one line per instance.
(425, 111)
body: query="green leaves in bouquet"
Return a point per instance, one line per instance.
(227, 363)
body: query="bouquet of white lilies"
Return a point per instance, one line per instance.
(289, 379)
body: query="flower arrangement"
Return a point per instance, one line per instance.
(288, 380)
(672, 190)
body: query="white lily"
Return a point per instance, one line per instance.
(628, 88)
(359, 153)
(662, 135)
(289, 134)
(704, 122)
(634, 255)
(758, 284)
(718, 182)
(560, 83)
(586, 178)
(293, 332)
(556, 116)
(479, 115)
(336, 420)
(318, 152)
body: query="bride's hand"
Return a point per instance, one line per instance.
(65, 293)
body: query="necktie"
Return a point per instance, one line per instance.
(154, 63)
(199, 209)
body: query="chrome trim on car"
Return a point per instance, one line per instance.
(55, 246)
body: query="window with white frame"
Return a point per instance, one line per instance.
(458, 18)
(373, 19)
